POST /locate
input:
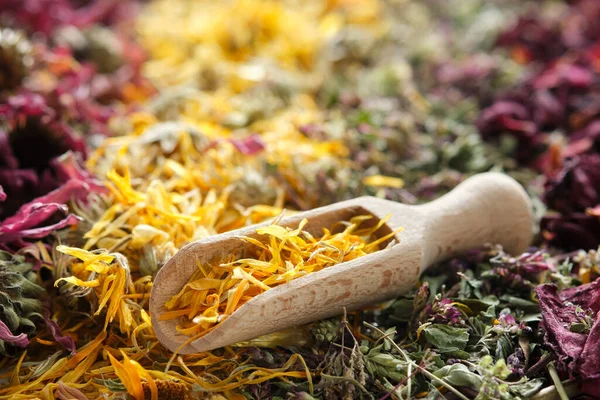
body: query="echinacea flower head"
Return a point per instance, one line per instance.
(32, 138)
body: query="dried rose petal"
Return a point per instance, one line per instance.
(532, 39)
(26, 104)
(6, 335)
(577, 187)
(250, 145)
(577, 353)
(64, 340)
(572, 232)
(39, 213)
(26, 223)
(509, 117)
(67, 168)
(569, 75)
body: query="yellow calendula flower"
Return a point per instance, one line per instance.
(109, 277)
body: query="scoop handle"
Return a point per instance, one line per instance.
(486, 208)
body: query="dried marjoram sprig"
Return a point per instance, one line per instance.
(215, 292)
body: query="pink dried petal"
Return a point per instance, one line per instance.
(568, 74)
(43, 231)
(250, 145)
(591, 387)
(578, 353)
(26, 104)
(43, 207)
(2, 194)
(24, 225)
(67, 168)
(30, 215)
(6, 335)
(64, 340)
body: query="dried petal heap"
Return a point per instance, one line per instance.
(278, 255)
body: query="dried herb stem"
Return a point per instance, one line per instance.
(347, 379)
(557, 382)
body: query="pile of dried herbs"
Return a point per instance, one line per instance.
(130, 128)
(279, 255)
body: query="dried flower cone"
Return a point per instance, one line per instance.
(20, 307)
(15, 58)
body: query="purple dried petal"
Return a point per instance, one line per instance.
(506, 319)
(30, 215)
(535, 37)
(6, 335)
(250, 145)
(548, 109)
(556, 319)
(25, 224)
(67, 168)
(25, 229)
(47, 205)
(572, 232)
(38, 233)
(533, 263)
(578, 353)
(16, 183)
(591, 387)
(26, 104)
(569, 74)
(592, 131)
(64, 340)
(516, 362)
(510, 117)
(577, 187)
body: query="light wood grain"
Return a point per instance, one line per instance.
(486, 208)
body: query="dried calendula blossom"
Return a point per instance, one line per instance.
(282, 254)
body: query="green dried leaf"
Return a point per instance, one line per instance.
(523, 304)
(459, 375)
(504, 347)
(401, 310)
(527, 389)
(446, 338)
(480, 305)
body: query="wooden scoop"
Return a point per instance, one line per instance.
(486, 208)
